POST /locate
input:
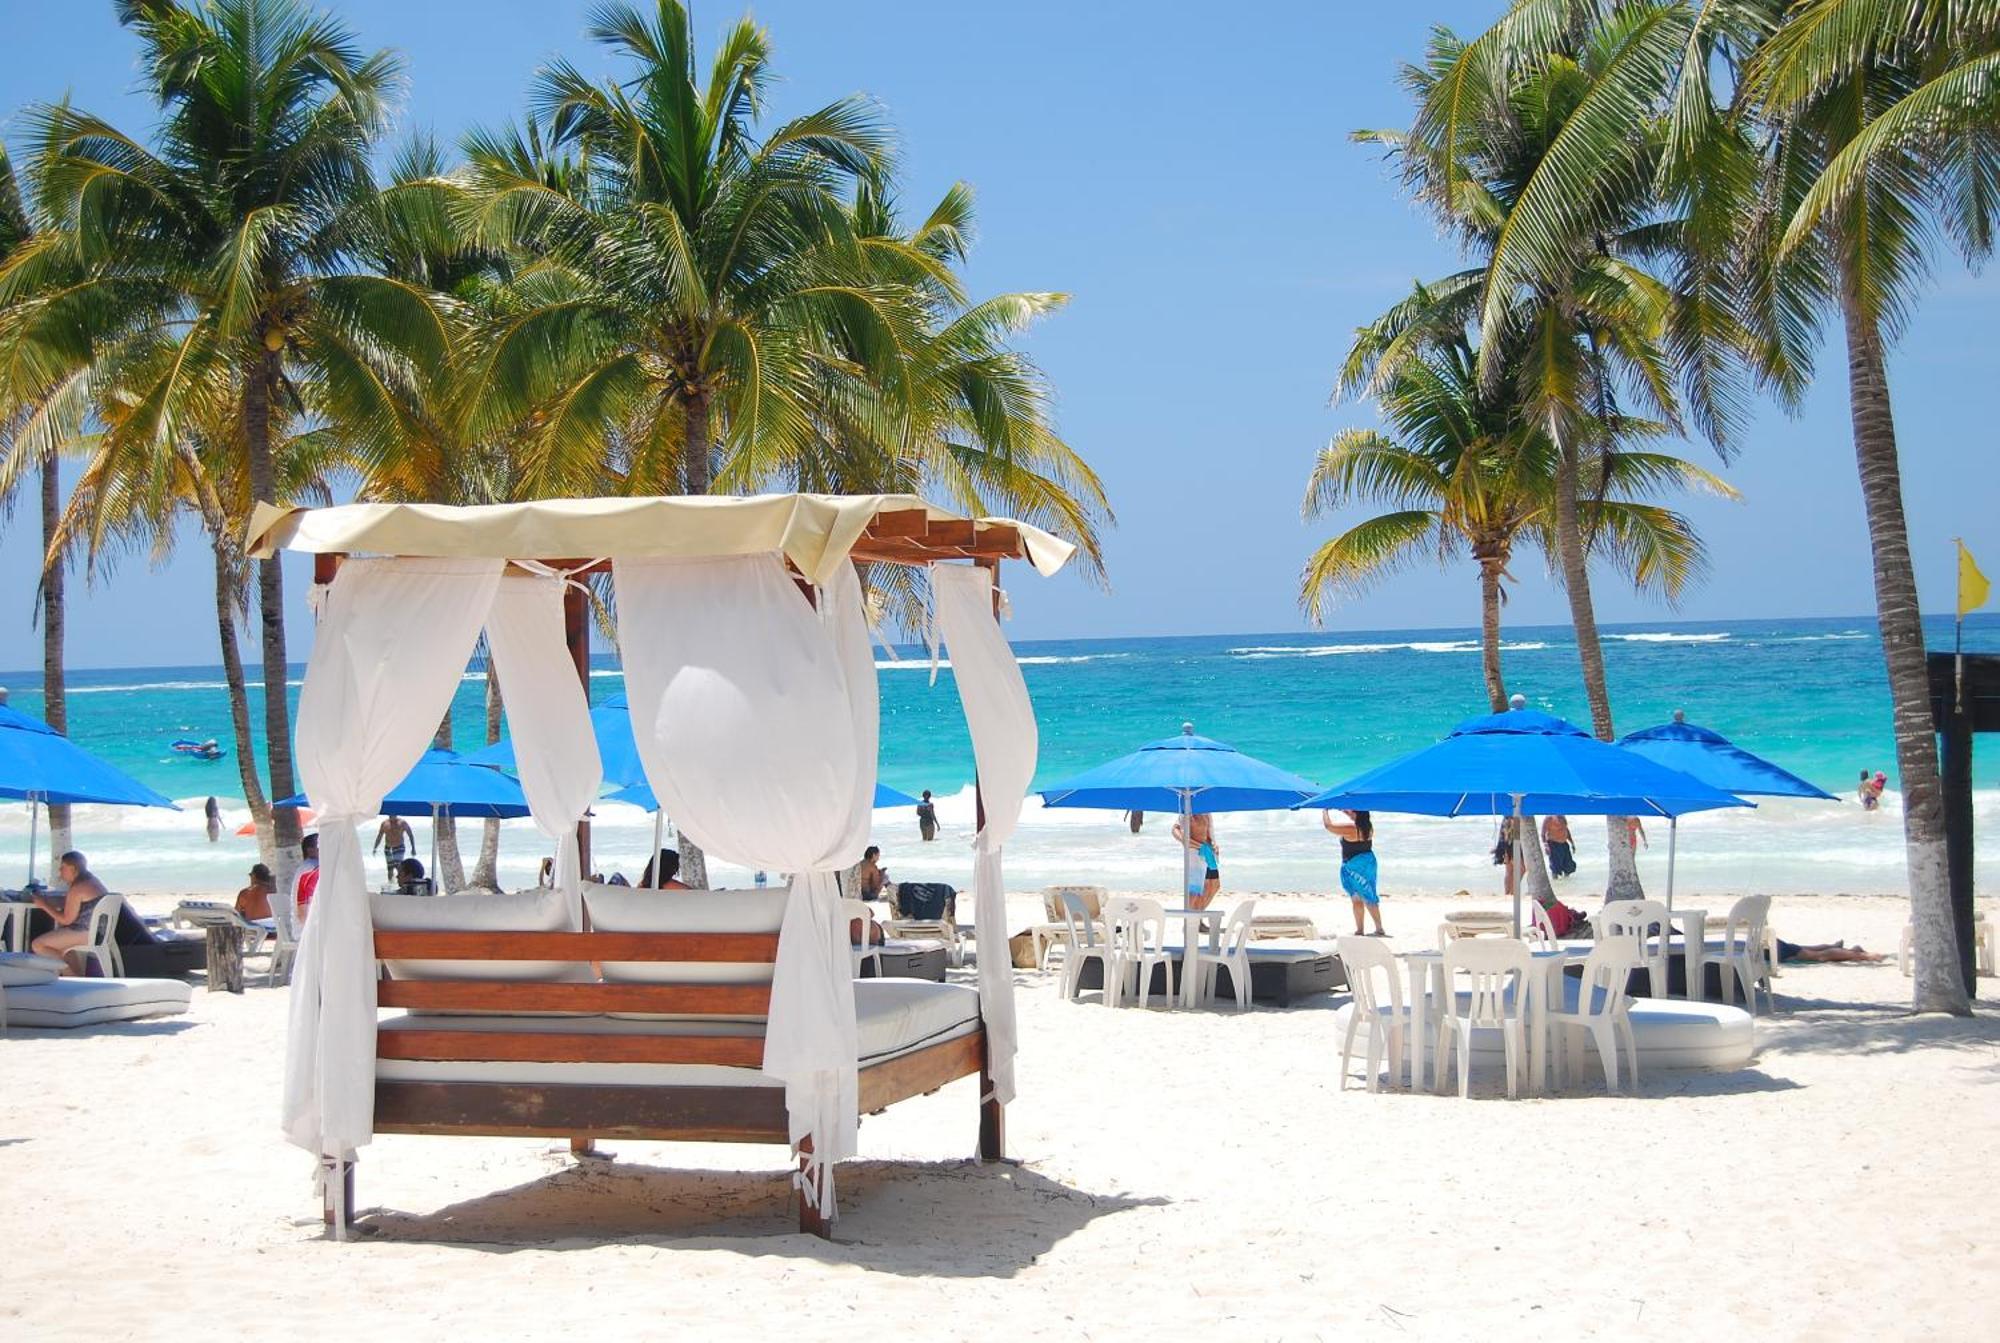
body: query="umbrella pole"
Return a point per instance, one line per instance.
(1673, 838)
(436, 876)
(1187, 840)
(34, 821)
(659, 837)
(1514, 864)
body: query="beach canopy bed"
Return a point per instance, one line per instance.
(752, 690)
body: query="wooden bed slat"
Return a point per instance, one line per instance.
(728, 1051)
(515, 996)
(507, 1110)
(756, 948)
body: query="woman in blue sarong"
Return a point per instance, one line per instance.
(1357, 866)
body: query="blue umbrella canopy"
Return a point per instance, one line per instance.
(445, 781)
(1717, 762)
(1184, 773)
(39, 764)
(1527, 761)
(641, 795)
(610, 723)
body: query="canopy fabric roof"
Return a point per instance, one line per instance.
(1185, 771)
(1527, 761)
(39, 764)
(1718, 762)
(814, 531)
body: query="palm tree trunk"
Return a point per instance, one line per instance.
(1624, 880)
(485, 872)
(239, 698)
(450, 875)
(1938, 985)
(699, 447)
(1534, 864)
(260, 383)
(55, 702)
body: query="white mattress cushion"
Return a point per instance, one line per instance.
(21, 968)
(894, 1017)
(623, 909)
(87, 1002)
(521, 912)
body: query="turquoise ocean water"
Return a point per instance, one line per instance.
(1809, 694)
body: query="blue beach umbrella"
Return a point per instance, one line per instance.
(1520, 761)
(1718, 762)
(610, 723)
(1183, 774)
(40, 766)
(443, 783)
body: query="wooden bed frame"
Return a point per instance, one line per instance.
(584, 1113)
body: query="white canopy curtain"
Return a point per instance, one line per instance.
(393, 641)
(548, 715)
(1004, 746)
(755, 716)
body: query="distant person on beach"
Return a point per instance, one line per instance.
(1872, 788)
(669, 863)
(927, 817)
(305, 883)
(871, 876)
(1199, 842)
(395, 839)
(253, 902)
(1135, 819)
(1561, 845)
(1357, 866)
(212, 812)
(71, 910)
(1832, 953)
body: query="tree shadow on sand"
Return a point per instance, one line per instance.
(1824, 1026)
(963, 1219)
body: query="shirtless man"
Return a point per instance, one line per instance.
(394, 839)
(71, 910)
(1199, 841)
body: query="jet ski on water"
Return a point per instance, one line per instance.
(200, 750)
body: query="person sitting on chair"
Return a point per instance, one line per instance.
(669, 868)
(871, 876)
(410, 879)
(71, 910)
(253, 902)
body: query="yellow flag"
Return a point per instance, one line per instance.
(1973, 588)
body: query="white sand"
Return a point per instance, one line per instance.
(1179, 1171)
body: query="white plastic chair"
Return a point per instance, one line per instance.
(1138, 929)
(102, 948)
(1495, 998)
(284, 938)
(866, 950)
(1649, 924)
(1229, 949)
(1985, 944)
(1054, 934)
(1741, 955)
(944, 930)
(1378, 1008)
(1542, 931)
(1600, 1014)
(1085, 940)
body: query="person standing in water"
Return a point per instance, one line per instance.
(212, 812)
(1357, 866)
(927, 817)
(1201, 848)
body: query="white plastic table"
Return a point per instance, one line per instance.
(1426, 971)
(1694, 950)
(1197, 925)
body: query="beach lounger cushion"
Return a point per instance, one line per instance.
(66, 1003)
(893, 1017)
(21, 968)
(522, 912)
(623, 909)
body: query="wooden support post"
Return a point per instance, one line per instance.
(992, 1114)
(1957, 772)
(576, 637)
(344, 1172)
(225, 959)
(811, 1222)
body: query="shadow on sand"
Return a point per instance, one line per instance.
(1826, 1026)
(963, 1219)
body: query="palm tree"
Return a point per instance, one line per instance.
(1539, 144)
(44, 391)
(237, 235)
(1880, 122)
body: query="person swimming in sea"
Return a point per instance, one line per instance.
(1199, 842)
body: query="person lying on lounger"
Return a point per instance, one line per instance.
(1829, 953)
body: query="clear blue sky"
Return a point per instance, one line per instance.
(1189, 181)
